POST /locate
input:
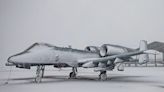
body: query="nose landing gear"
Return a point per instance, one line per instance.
(39, 73)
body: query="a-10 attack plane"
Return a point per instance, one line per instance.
(102, 59)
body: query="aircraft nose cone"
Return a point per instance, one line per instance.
(19, 58)
(43, 56)
(12, 59)
(23, 58)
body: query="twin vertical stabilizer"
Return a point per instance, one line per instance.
(143, 58)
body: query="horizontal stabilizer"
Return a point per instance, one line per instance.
(143, 58)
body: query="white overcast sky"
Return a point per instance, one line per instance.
(78, 23)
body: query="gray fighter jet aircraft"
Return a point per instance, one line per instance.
(103, 58)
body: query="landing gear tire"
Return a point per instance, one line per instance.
(38, 79)
(103, 76)
(72, 75)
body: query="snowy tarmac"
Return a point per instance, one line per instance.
(133, 79)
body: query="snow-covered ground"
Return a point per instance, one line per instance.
(133, 79)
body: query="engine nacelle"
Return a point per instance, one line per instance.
(92, 48)
(107, 50)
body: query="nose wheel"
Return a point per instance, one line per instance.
(73, 74)
(103, 76)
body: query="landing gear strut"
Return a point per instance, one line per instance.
(103, 75)
(39, 73)
(73, 74)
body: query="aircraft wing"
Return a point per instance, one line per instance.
(113, 57)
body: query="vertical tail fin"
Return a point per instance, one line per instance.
(143, 58)
(143, 45)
